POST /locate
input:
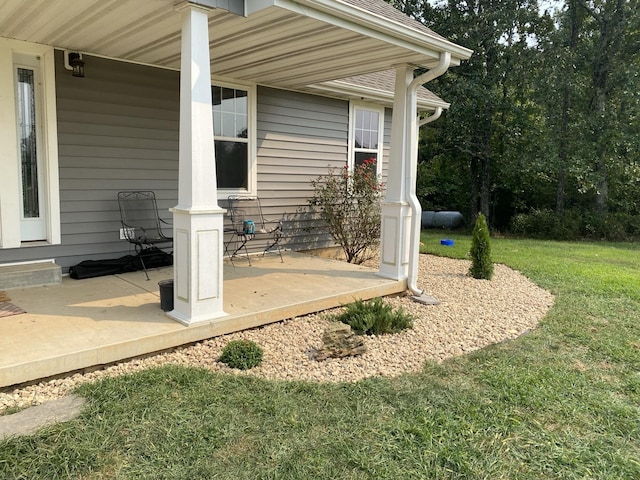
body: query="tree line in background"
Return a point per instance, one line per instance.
(543, 133)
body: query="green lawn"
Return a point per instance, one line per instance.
(560, 402)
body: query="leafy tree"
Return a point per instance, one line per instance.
(593, 68)
(489, 110)
(543, 117)
(558, 84)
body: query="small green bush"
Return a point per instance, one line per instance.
(575, 224)
(546, 224)
(614, 227)
(481, 264)
(375, 318)
(242, 354)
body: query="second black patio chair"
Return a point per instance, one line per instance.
(142, 226)
(247, 223)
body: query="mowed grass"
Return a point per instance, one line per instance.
(560, 402)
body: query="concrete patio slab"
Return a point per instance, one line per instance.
(91, 322)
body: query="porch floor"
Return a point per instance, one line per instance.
(91, 322)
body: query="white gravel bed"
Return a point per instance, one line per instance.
(473, 314)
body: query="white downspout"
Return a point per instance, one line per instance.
(412, 142)
(431, 118)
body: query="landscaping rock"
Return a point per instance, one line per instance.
(338, 341)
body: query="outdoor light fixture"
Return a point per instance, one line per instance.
(73, 61)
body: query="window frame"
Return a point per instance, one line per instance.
(252, 181)
(11, 54)
(379, 151)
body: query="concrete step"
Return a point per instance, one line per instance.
(29, 275)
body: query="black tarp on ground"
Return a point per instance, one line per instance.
(152, 257)
(98, 268)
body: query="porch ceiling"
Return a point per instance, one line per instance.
(289, 43)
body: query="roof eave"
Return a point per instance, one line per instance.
(385, 26)
(346, 90)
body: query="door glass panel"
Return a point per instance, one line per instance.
(27, 140)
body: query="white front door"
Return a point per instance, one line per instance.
(33, 225)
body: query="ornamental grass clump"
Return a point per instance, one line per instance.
(348, 202)
(375, 318)
(242, 354)
(481, 263)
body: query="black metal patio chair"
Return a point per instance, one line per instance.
(247, 223)
(142, 226)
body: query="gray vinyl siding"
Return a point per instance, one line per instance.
(118, 130)
(299, 137)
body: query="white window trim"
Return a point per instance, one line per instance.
(10, 192)
(252, 167)
(352, 125)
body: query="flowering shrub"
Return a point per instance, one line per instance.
(349, 204)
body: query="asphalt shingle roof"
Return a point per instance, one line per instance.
(384, 10)
(385, 81)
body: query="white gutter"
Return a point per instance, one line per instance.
(345, 15)
(385, 97)
(411, 144)
(431, 118)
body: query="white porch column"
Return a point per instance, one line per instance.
(396, 213)
(197, 219)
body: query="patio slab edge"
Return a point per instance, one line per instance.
(107, 354)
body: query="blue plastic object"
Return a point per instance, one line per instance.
(447, 242)
(248, 227)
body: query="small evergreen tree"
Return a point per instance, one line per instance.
(481, 264)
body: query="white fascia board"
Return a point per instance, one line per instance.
(349, 16)
(373, 94)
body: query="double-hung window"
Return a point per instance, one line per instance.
(234, 133)
(366, 136)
